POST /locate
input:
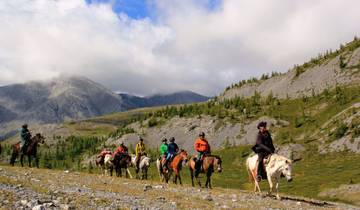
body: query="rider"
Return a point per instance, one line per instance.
(121, 150)
(25, 137)
(102, 154)
(139, 151)
(202, 147)
(263, 147)
(173, 149)
(163, 149)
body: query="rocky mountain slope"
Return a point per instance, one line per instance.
(341, 67)
(71, 98)
(53, 189)
(181, 97)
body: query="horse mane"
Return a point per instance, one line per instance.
(281, 157)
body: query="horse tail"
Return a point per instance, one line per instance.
(251, 178)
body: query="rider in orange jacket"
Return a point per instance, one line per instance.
(202, 147)
(122, 149)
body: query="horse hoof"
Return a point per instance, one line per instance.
(278, 197)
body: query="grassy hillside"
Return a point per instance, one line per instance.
(308, 118)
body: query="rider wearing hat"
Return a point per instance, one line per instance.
(173, 149)
(263, 147)
(139, 151)
(122, 149)
(202, 147)
(163, 151)
(25, 137)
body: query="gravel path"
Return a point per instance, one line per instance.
(27, 188)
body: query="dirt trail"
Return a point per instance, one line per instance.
(27, 188)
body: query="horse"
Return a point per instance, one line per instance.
(122, 161)
(277, 166)
(143, 166)
(175, 166)
(107, 165)
(31, 150)
(209, 163)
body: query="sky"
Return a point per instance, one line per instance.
(145, 47)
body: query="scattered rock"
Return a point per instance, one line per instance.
(160, 198)
(38, 207)
(65, 207)
(208, 198)
(67, 171)
(147, 187)
(159, 187)
(23, 202)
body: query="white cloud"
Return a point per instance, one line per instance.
(187, 47)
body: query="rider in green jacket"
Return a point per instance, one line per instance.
(163, 151)
(164, 148)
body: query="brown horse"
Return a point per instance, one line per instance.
(175, 166)
(121, 161)
(31, 150)
(209, 163)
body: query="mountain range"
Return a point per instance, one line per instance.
(73, 98)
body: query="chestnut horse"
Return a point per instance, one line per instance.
(209, 163)
(175, 166)
(31, 150)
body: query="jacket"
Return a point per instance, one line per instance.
(173, 148)
(25, 135)
(121, 150)
(264, 143)
(140, 148)
(202, 145)
(163, 149)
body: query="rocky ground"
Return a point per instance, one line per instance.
(28, 188)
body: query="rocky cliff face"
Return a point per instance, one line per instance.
(56, 101)
(313, 78)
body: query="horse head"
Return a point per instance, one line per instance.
(217, 163)
(145, 161)
(285, 169)
(38, 138)
(184, 155)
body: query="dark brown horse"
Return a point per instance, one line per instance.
(122, 161)
(31, 150)
(174, 167)
(209, 164)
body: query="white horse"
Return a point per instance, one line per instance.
(276, 167)
(159, 169)
(143, 166)
(108, 164)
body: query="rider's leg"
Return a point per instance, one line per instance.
(198, 164)
(260, 168)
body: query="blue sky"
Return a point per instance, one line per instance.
(139, 9)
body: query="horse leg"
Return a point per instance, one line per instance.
(197, 179)
(180, 180)
(277, 189)
(37, 161)
(192, 177)
(13, 158)
(175, 178)
(29, 159)
(128, 171)
(271, 185)
(21, 160)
